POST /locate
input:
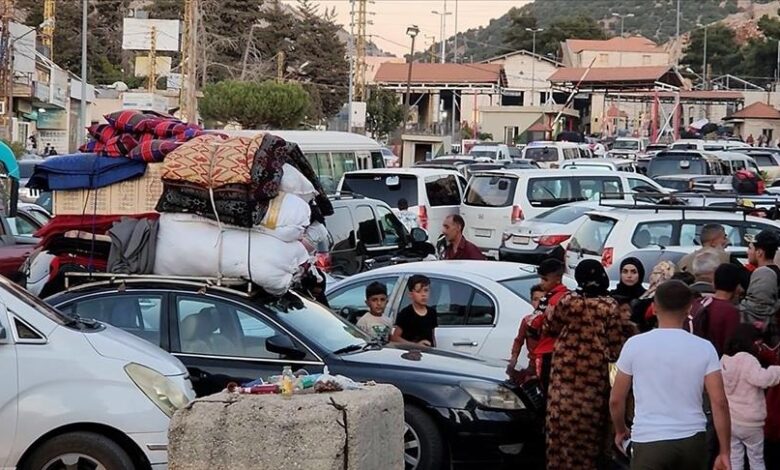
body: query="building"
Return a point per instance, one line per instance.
(635, 51)
(526, 77)
(755, 120)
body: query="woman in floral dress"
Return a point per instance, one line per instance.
(590, 332)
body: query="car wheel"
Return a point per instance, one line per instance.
(79, 450)
(423, 444)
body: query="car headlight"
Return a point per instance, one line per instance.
(164, 392)
(495, 396)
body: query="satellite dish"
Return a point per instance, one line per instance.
(119, 86)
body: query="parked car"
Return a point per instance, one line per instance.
(653, 149)
(364, 230)
(767, 159)
(551, 154)
(546, 235)
(732, 162)
(609, 164)
(628, 148)
(457, 408)
(497, 200)
(433, 194)
(706, 145)
(689, 162)
(494, 151)
(609, 235)
(29, 219)
(687, 182)
(79, 394)
(26, 168)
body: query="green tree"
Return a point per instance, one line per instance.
(266, 105)
(723, 52)
(384, 113)
(760, 54)
(516, 37)
(549, 40)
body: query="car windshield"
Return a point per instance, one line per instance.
(478, 153)
(626, 145)
(541, 154)
(592, 236)
(317, 324)
(676, 184)
(388, 188)
(491, 191)
(676, 165)
(563, 214)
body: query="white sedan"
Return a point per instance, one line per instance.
(479, 303)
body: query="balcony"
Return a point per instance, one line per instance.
(23, 85)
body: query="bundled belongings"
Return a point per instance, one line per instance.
(82, 171)
(747, 182)
(133, 244)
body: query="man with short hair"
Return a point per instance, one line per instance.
(669, 370)
(761, 300)
(713, 236)
(703, 268)
(457, 245)
(715, 318)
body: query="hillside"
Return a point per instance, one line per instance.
(655, 19)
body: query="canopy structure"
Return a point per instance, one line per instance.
(617, 79)
(8, 159)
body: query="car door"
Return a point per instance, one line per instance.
(349, 301)
(371, 243)
(221, 341)
(466, 314)
(9, 389)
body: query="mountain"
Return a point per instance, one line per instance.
(654, 19)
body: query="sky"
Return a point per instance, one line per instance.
(392, 17)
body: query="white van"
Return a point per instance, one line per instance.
(551, 154)
(330, 153)
(496, 200)
(431, 193)
(495, 152)
(80, 394)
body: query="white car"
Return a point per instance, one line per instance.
(608, 236)
(492, 152)
(431, 193)
(479, 303)
(551, 154)
(496, 201)
(80, 394)
(707, 145)
(608, 164)
(628, 148)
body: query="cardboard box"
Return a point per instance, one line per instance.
(134, 196)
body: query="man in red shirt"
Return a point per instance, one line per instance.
(457, 246)
(720, 313)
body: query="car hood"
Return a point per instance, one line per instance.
(451, 365)
(115, 343)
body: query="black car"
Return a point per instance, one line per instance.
(458, 408)
(366, 233)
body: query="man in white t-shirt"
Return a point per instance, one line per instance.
(670, 369)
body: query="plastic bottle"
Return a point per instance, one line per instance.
(288, 382)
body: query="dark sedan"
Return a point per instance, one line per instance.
(458, 409)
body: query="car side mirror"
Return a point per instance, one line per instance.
(419, 235)
(282, 344)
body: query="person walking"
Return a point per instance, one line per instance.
(457, 245)
(716, 317)
(669, 369)
(745, 381)
(761, 300)
(590, 333)
(713, 237)
(632, 273)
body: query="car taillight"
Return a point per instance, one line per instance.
(323, 261)
(517, 214)
(422, 214)
(607, 257)
(552, 240)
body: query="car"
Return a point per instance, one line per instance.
(608, 236)
(706, 145)
(544, 236)
(522, 164)
(432, 193)
(687, 182)
(653, 149)
(689, 162)
(767, 159)
(498, 200)
(479, 304)
(494, 151)
(80, 394)
(627, 148)
(362, 231)
(391, 159)
(735, 161)
(458, 408)
(29, 219)
(586, 151)
(609, 164)
(551, 154)
(26, 168)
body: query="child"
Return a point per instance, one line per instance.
(374, 323)
(745, 381)
(537, 294)
(405, 216)
(525, 336)
(416, 323)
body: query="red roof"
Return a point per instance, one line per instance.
(757, 110)
(440, 73)
(630, 44)
(539, 126)
(617, 76)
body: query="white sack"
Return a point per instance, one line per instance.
(287, 218)
(315, 234)
(294, 182)
(189, 245)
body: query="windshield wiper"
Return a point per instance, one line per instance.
(373, 344)
(348, 349)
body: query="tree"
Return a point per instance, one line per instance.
(516, 37)
(255, 105)
(760, 54)
(548, 41)
(723, 52)
(384, 113)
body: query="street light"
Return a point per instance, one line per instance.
(622, 20)
(705, 84)
(412, 32)
(533, 62)
(443, 15)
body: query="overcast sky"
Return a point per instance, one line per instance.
(392, 17)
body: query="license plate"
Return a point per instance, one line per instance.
(521, 240)
(481, 232)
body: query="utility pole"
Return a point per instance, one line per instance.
(455, 50)
(704, 64)
(151, 83)
(360, 57)
(82, 137)
(412, 32)
(533, 62)
(49, 12)
(188, 99)
(351, 53)
(443, 15)
(7, 66)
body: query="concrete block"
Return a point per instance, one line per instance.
(228, 431)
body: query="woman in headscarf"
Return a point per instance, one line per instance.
(632, 274)
(641, 312)
(590, 332)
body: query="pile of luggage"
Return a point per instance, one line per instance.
(242, 207)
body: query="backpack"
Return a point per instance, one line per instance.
(698, 321)
(747, 182)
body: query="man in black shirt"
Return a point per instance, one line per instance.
(415, 324)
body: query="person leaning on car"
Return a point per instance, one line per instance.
(457, 245)
(713, 237)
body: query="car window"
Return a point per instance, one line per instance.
(217, 328)
(449, 298)
(392, 229)
(591, 188)
(24, 227)
(764, 160)
(350, 302)
(662, 166)
(388, 188)
(321, 164)
(342, 163)
(690, 233)
(368, 230)
(592, 235)
(563, 214)
(481, 310)
(571, 154)
(635, 184)
(653, 233)
(442, 190)
(550, 192)
(541, 154)
(139, 314)
(341, 229)
(491, 191)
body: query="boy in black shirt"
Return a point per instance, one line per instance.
(416, 323)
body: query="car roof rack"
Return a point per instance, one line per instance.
(233, 285)
(683, 208)
(346, 195)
